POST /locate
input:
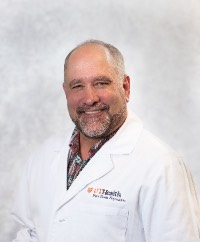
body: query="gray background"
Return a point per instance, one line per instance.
(160, 40)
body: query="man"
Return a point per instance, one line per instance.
(110, 180)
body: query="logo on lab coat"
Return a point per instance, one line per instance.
(106, 194)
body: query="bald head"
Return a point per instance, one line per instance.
(113, 55)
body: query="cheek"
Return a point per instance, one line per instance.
(117, 101)
(72, 103)
(113, 100)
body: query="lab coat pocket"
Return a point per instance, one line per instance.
(93, 223)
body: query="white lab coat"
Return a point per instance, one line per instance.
(135, 189)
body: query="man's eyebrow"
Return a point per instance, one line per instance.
(102, 78)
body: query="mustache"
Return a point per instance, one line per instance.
(96, 107)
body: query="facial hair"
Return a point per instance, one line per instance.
(101, 125)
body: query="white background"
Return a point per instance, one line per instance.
(160, 40)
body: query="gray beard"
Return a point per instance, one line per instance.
(106, 124)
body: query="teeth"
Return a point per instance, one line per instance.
(92, 112)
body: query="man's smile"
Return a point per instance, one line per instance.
(98, 109)
(93, 112)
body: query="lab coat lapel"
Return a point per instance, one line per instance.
(97, 167)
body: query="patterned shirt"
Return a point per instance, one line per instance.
(75, 163)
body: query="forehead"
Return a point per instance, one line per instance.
(89, 51)
(89, 60)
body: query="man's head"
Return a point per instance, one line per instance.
(96, 87)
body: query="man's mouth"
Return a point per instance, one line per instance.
(93, 110)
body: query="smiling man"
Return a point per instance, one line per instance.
(109, 179)
(97, 90)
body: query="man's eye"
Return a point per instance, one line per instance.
(78, 86)
(101, 84)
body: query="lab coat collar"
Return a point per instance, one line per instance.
(127, 136)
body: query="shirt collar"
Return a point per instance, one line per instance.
(75, 142)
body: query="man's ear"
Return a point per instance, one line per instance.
(126, 86)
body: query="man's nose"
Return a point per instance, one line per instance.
(90, 96)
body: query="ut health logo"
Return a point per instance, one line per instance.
(106, 194)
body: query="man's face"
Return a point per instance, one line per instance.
(96, 95)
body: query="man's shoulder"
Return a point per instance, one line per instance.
(147, 139)
(54, 142)
(51, 146)
(156, 155)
